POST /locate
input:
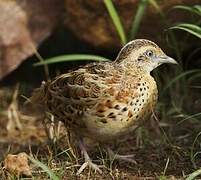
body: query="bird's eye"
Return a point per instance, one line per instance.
(149, 53)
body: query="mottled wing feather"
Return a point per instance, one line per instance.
(73, 94)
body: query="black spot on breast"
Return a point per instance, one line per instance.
(111, 115)
(140, 89)
(108, 103)
(103, 121)
(137, 116)
(117, 107)
(130, 114)
(124, 109)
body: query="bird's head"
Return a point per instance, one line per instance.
(143, 54)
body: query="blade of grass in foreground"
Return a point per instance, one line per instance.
(179, 77)
(193, 9)
(138, 18)
(116, 20)
(155, 4)
(193, 175)
(189, 117)
(45, 168)
(192, 153)
(71, 57)
(190, 28)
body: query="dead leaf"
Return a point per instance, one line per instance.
(17, 164)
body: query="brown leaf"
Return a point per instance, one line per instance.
(17, 164)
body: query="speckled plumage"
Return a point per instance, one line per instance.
(101, 105)
(106, 100)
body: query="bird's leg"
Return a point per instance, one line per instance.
(88, 161)
(127, 158)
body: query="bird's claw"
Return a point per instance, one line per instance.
(88, 161)
(127, 158)
(91, 165)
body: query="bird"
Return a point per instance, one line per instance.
(105, 101)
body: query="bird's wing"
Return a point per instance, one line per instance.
(72, 94)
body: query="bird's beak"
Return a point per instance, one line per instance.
(166, 59)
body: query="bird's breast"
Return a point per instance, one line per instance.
(123, 110)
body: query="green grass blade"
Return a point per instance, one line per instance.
(192, 154)
(189, 117)
(155, 4)
(193, 9)
(190, 28)
(45, 168)
(174, 80)
(116, 20)
(193, 175)
(71, 57)
(138, 18)
(198, 8)
(197, 75)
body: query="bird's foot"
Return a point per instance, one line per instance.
(126, 158)
(91, 165)
(88, 162)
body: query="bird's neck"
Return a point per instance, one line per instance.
(131, 70)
